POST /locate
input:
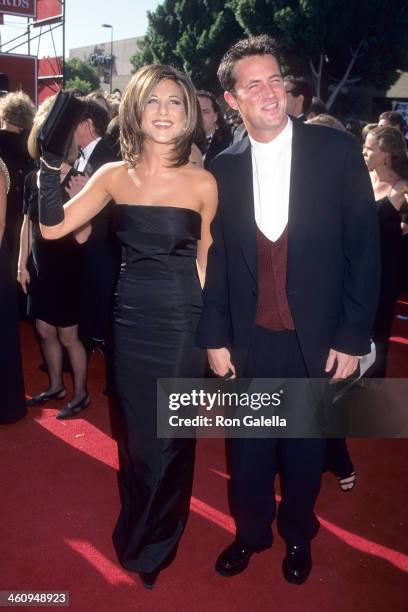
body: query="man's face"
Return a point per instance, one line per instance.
(208, 114)
(83, 134)
(259, 95)
(387, 123)
(294, 104)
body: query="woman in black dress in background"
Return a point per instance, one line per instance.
(53, 287)
(385, 154)
(12, 397)
(164, 206)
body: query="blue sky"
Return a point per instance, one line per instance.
(83, 24)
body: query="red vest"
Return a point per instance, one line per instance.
(273, 310)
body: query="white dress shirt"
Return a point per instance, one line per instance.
(87, 151)
(271, 163)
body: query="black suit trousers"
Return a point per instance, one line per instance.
(254, 463)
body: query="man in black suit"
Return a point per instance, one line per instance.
(291, 288)
(299, 96)
(216, 129)
(99, 256)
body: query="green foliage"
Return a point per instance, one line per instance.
(78, 71)
(77, 83)
(194, 34)
(333, 29)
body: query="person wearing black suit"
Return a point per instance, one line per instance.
(99, 252)
(291, 289)
(299, 95)
(216, 129)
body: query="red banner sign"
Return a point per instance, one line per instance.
(21, 71)
(22, 8)
(48, 11)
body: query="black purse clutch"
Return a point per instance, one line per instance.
(59, 126)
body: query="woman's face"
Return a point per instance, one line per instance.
(374, 157)
(164, 117)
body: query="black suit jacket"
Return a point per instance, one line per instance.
(102, 154)
(333, 249)
(217, 145)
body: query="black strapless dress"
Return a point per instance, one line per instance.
(157, 306)
(390, 248)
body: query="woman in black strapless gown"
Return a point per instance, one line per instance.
(164, 206)
(156, 312)
(385, 154)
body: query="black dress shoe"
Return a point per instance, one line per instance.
(234, 559)
(44, 397)
(71, 410)
(297, 564)
(149, 578)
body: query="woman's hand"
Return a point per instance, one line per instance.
(23, 278)
(76, 184)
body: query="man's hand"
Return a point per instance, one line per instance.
(346, 364)
(23, 277)
(76, 183)
(220, 362)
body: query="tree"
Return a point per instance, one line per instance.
(339, 42)
(79, 75)
(192, 35)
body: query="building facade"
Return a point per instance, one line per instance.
(99, 56)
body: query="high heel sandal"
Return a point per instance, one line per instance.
(44, 397)
(149, 578)
(348, 483)
(71, 410)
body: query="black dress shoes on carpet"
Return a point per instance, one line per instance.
(44, 397)
(297, 564)
(234, 559)
(71, 410)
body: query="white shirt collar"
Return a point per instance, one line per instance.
(281, 140)
(88, 150)
(271, 168)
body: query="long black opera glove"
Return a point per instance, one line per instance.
(51, 211)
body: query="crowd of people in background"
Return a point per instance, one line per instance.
(66, 286)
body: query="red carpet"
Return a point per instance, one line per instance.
(60, 502)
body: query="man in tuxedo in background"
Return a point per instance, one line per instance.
(299, 96)
(99, 253)
(291, 288)
(216, 130)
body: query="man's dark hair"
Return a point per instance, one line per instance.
(317, 107)
(222, 126)
(299, 86)
(254, 45)
(99, 116)
(395, 119)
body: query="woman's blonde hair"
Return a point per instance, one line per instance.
(39, 119)
(133, 105)
(16, 108)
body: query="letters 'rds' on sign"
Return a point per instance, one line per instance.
(22, 8)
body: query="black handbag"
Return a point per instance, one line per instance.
(59, 126)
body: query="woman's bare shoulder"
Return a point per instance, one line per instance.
(112, 169)
(397, 193)
(110, 174)
(201, 178)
